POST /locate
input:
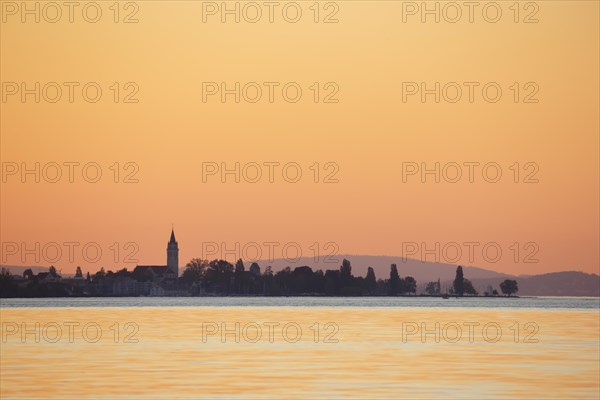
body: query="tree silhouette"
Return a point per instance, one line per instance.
(53, 272)
(468, 287)
(219, 275)
(282, 278)
(7, 289)
(268, 281)
(395, 282)
(371, 281)
(28, 274)
(433, 288)
(239, 276)
(332, 282)
(5, 276)
(509, 287)
(301, 280)
(99, 275)
(239, 267)
(410, 285)
(268, 271)
(194, 270)
(346, 271)
(255, 269)
(459, 282)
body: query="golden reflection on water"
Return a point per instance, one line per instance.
(371, 358)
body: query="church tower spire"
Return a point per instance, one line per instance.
(173, 254)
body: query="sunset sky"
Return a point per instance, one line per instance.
(369, 133)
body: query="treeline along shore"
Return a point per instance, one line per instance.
(222, 278)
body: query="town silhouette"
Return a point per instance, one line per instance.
(222, 278)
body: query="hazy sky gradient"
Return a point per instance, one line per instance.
(368, 134)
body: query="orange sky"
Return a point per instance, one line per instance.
(170, 132)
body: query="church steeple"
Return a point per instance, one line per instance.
(173, 254)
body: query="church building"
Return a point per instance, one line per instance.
(168, 272)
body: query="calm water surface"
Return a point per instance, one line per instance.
(426, 302)
(300, 348)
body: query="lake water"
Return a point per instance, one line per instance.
(300, 348)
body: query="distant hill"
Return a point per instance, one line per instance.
(421, 271)
(568, 283)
